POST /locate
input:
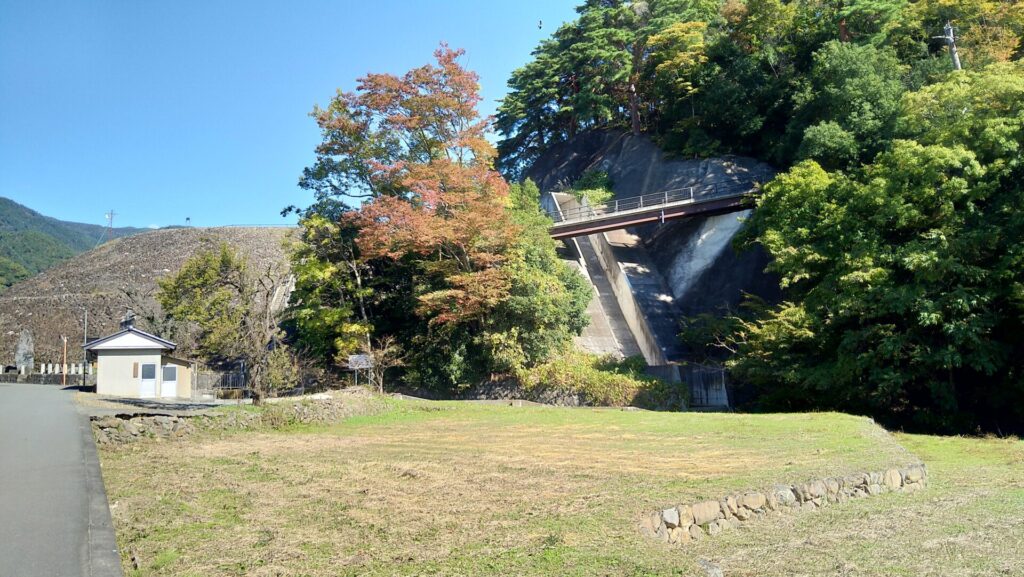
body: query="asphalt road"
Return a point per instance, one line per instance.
(54, 517)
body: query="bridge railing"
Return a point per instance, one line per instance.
(720, 189)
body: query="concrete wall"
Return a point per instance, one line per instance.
(114, 371)
(635, 318)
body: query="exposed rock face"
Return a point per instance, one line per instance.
(680, 268)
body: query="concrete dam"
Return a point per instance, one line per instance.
(646, 278)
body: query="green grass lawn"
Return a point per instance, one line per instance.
(471, 489)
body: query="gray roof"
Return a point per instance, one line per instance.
(163, 343)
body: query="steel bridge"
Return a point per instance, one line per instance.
(704, 199)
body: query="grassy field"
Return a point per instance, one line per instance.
(469, 489)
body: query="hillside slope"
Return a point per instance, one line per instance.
(51, 303)
(31, 242)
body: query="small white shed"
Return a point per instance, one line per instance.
(133, 363)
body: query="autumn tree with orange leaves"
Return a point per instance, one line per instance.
(438, 233)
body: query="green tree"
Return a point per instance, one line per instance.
(904, 278)
(851, 96)
(231, 307)
(443, 255)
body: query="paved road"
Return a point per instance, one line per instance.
(54, 518)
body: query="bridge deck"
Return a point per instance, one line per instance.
(715, 198)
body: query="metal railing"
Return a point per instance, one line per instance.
(655, 200)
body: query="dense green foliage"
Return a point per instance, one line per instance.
(442, 256)
(781, 80)
(594, 186)
(896, 230)
(603, 381)
(31, 243)
(905, 275)
(222, 311)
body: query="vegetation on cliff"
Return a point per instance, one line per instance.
(896, 230)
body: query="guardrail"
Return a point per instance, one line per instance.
(655, 200)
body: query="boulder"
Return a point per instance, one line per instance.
(784, 495)
(726, 510)
(731, 504)
(743, 514)
(706, 512)
(685, 515)
(671, 517)
(857, 480)
(661, 534)
(874, 489)
(715, 527)
(107, 422)
(752, 501)
(914, 474)
(892, 479)
(696, 533)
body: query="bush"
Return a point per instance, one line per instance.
(595, 186)
(604, 381)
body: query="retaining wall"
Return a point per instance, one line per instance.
(695, 521)
(634, 316)
(41, 379)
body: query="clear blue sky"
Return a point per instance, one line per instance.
(162, 110)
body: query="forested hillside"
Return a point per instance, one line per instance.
(31, 242)
(895, 224)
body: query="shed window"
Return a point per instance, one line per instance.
(148, 371)
(170, 373)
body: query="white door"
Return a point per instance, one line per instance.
(169, 383)
(147, 385)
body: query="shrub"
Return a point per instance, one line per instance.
(604, 381)
(595, 186)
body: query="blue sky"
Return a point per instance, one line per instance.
(167, 110)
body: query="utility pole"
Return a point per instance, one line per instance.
(950, 39)
(64, 368)
(85, 341)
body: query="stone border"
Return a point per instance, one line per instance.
(693, 522)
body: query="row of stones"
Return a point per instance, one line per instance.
(115, 430)
(693, 522)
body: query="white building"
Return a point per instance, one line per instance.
(133, 363)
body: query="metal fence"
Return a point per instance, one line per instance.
(209, 383)
(714, 190)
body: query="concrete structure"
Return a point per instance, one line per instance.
(133, 363)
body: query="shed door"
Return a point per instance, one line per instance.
(169, 382)
(147, 385)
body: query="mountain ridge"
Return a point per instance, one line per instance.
(31, 242)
